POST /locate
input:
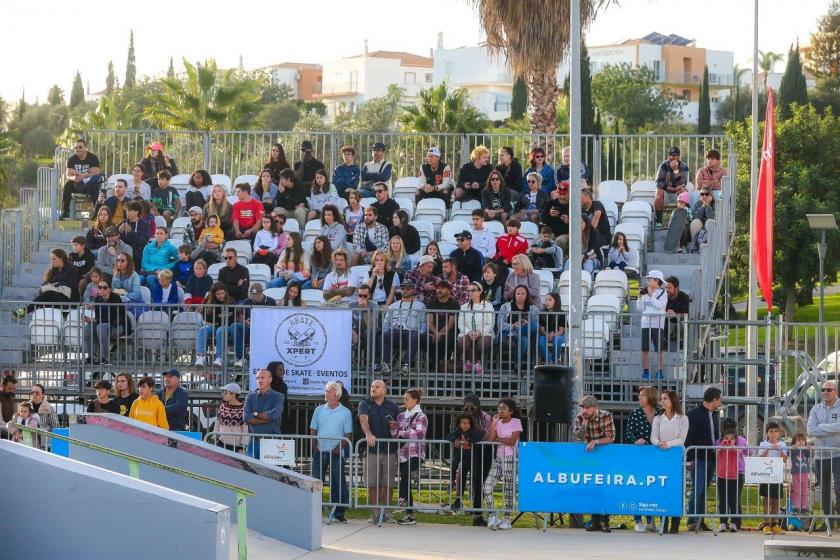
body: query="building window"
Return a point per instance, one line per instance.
(657, 69)
(428, 78)
(502, 104)
(410, 78)
(686, 94)
(353, 82)
(714, 99)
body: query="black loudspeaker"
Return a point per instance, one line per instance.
(552, 394)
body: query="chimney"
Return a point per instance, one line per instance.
(366, 46)
(440, 40)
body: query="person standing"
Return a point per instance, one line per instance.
(411, 424)
(669, 430)
(263, 411)
(376, 413)
(125, 394)
(594, 426)
(174, 398)
(332, 423)
(148, 408)
(102, 402)
(230, 422)
(703, 431)
(505, 430)
(652, 303)
(639, 425)
(824, 427)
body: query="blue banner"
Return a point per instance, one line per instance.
(610, 479)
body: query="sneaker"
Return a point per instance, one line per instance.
(389, 518)
(456, 505)
(504, 525)
(767, 530)
(639, 527)
(385, 369)
(645, 374)
(104, 362)
(199, 360)
(478, 521)
(19, 313)
(402, 502)
(377, 368)
(659, 225)
(238, 363)
(217, 362)
(776, 530)
(733, 528)
(594, 527)
(724, 527)
(404, 369)
(651, 527)
(468, 367)
(659, 375)
(478, 369)
(407, 520)
(340, 519)
(492, 522)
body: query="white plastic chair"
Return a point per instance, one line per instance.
(312, 230)
(244, 250)
(259, 274)
(450, 229)
(635, 235)
(152, 330)
(214, 269)
(406, 187)
(426, 231)
(45, 327)
(275, 293)
(606, 306)
(637, 212)
(160, 221)
(250, 179)
(178, 226)
(221, 179)
(291, 226)
(596, 334)
(312, 298)
(529, 231)
(612, 212)
(611, 282)
(73, 330)
(407, 205)
(432, 210)
(446, 248)
(563, 288)
(360, 272)
(184, 330)
(643, 190)
(111, 182)
(546, 282)
(146, 294)
(495, 227)
(463, 210)
(367, 201)
(615, 191)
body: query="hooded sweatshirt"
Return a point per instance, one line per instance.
(150, 411)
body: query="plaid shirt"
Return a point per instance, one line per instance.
(460, 288)
(380, 236)
(411, 425)
(594, 428)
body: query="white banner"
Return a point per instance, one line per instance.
(277, 451)
(764, 470)
(314, 345)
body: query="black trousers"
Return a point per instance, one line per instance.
(410, 466)
(91, 188)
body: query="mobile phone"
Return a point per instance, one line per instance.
(389, 418)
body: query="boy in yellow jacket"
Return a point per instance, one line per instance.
(148, 408)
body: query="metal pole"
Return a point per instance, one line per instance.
(752, 309)
(822, 248)
(575, 249)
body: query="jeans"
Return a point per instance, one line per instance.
(102, 333)
(542, 347)
(282, 282)
(406, 338)
(523, 333)
(701, 476)
(323, 461)
(235, 331)
(150, 281)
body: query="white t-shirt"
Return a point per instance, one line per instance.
(773, 452)
(484, 242)
(334, 281)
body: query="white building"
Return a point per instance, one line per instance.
(349, 82)
(302, 78)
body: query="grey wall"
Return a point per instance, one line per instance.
(60, 509)
(287, 505)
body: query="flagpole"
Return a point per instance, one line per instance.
(752, 309)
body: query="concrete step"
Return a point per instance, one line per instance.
(24, 280)
(67, 234)
(19, 293)
(41, 257)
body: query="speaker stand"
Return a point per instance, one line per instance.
(550, 519)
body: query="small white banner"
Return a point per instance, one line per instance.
(764, 470)
(279, 452)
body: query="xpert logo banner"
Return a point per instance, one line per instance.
(611, 479)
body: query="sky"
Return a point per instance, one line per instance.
(40, 50)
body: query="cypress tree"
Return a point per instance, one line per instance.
(792, 88)
(170, 73)
(587, 109)
(519, 98)
(77, 93)
(111, 80)
(130, 66)
(704, 113)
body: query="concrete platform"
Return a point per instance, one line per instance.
(359, 540)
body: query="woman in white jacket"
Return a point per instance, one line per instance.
(669, 430)
(652, 303)
(475, 323)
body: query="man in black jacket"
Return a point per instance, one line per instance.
(135, 232)
(291, 197)
(556, 216)
(234, 276)
(107, 321)
(703, 430)
(468, 261)
(385, 205)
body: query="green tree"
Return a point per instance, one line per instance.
(826, 95)
(823, 60)
(629, 93)
(205, 99)
(704, 112)
(534, 51)
(440, 110)
(766, 62)
(55, 97)
(312, 122)
(519, 99)
(111, 79)
(740, 104)
(113, 112)
(793, 88)
(77, 93)
(170, 72)
(275, 93)
(380, 114)
(130, 65)
(804, 184)
(281, 115)
(20, 110)
(587, 109)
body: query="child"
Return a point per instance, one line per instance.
(544, 252)
(800, 469)
(197, 286)
(505, 429)
(464, 449)
(727, 480)
(684, 202)
(510, 245)
(147, 216)
(166, 200)
(82, 259)
(265, 242)
(552, 328)
(26, 416)
(183, 267)
(726, 424)
(620, 254)
(92, 290)
(323, 193)
(773, 446)
(210, 243)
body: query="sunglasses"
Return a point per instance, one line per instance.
(230, 258)
(705, 194)
(539, 157)
(532, 181)
(122, 260)
(495, 179)
(104, 287)
(380, 190)
(474, 290)
(363, 296)
(827, 390)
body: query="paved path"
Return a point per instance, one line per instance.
(361, 541)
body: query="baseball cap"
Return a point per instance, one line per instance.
(656, 274)
(194, 210)
(443, 284)
(111, 230)
(408, 286)
(685, 198)
(464, 234)
(377, 146)
(255, 288)
(173, 372)
(232, 388)
(305, 145)
(426, 259)
(588, 401)
(156, 146)
(563, 187)
(674, 151)
(433, 151)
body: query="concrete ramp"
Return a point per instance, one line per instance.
(63, 509)
(287, 505)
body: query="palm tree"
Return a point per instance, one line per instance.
(440, 110)
(204, 99)
(766, 62)
(533, 36)
(114, 112)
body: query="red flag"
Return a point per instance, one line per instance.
(764, 205)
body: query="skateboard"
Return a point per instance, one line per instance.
(679, 218)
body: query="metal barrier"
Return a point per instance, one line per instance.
(313, 456)
(800, 484)
(31, 434)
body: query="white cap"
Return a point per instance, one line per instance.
(656, 274)
(232, 388)
(433, 151)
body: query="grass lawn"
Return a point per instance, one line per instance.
(804, 314)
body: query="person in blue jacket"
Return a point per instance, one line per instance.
(376, 171)
(174, 399)
(539, 165)
(346, 174)
(158, 255)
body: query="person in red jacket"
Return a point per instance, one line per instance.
(510, 245)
